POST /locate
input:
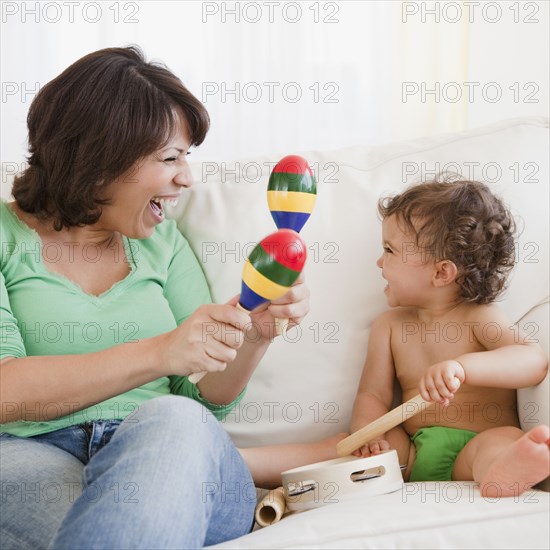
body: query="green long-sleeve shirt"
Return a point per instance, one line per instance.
(43, 313)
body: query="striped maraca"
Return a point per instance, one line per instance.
(270, 270)
(291, 194)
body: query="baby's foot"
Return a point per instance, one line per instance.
(525, 463)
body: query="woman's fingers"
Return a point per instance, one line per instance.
(294, 305)
(208, 340)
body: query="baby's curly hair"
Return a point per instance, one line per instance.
(460, 221)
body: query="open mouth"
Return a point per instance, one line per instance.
(156, 207)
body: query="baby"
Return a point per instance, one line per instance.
(448, 248)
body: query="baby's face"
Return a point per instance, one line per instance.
(404, 266)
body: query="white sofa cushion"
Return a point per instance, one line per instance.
(306, 384)
(422, 516)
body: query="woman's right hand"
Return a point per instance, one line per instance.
(205, 342)
(372, 448)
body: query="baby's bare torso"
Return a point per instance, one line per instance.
(416, 345)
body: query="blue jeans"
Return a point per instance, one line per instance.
(168, 476)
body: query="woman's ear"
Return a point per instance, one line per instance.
(445, 272)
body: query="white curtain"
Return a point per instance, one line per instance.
(280, 77)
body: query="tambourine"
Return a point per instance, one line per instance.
(329, 481)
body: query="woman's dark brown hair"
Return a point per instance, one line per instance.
(465, 223)
(91, 124)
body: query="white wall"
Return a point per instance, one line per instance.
(349, 60)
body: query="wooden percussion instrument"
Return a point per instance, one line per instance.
(291, 192)
(269, 271)
(329, 481)
(381, 425)
(291, 196)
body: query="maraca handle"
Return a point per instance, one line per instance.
(280, 326)
(198, 376)
(381, 425)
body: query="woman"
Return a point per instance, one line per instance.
(103, 310)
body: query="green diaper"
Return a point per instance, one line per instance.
(436, 451)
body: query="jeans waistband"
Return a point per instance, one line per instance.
(82, 440)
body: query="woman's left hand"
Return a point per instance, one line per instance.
(294, 306)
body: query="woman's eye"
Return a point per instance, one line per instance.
(170, 159)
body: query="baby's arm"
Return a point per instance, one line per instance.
(375, 392)
(510, 360)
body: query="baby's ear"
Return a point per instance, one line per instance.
(445, 272)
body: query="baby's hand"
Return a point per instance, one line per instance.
(372, 448)
(441, 381)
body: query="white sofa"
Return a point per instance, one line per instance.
(305, 386)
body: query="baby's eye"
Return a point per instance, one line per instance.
(388, 250)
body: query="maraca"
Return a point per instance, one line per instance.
(291, 194)
(270, 270)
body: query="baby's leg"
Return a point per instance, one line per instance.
(267, 463)
(505, 461)
(400, 440)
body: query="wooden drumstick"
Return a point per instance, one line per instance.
(381, 425)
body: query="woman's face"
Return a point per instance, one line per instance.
(137, 197)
